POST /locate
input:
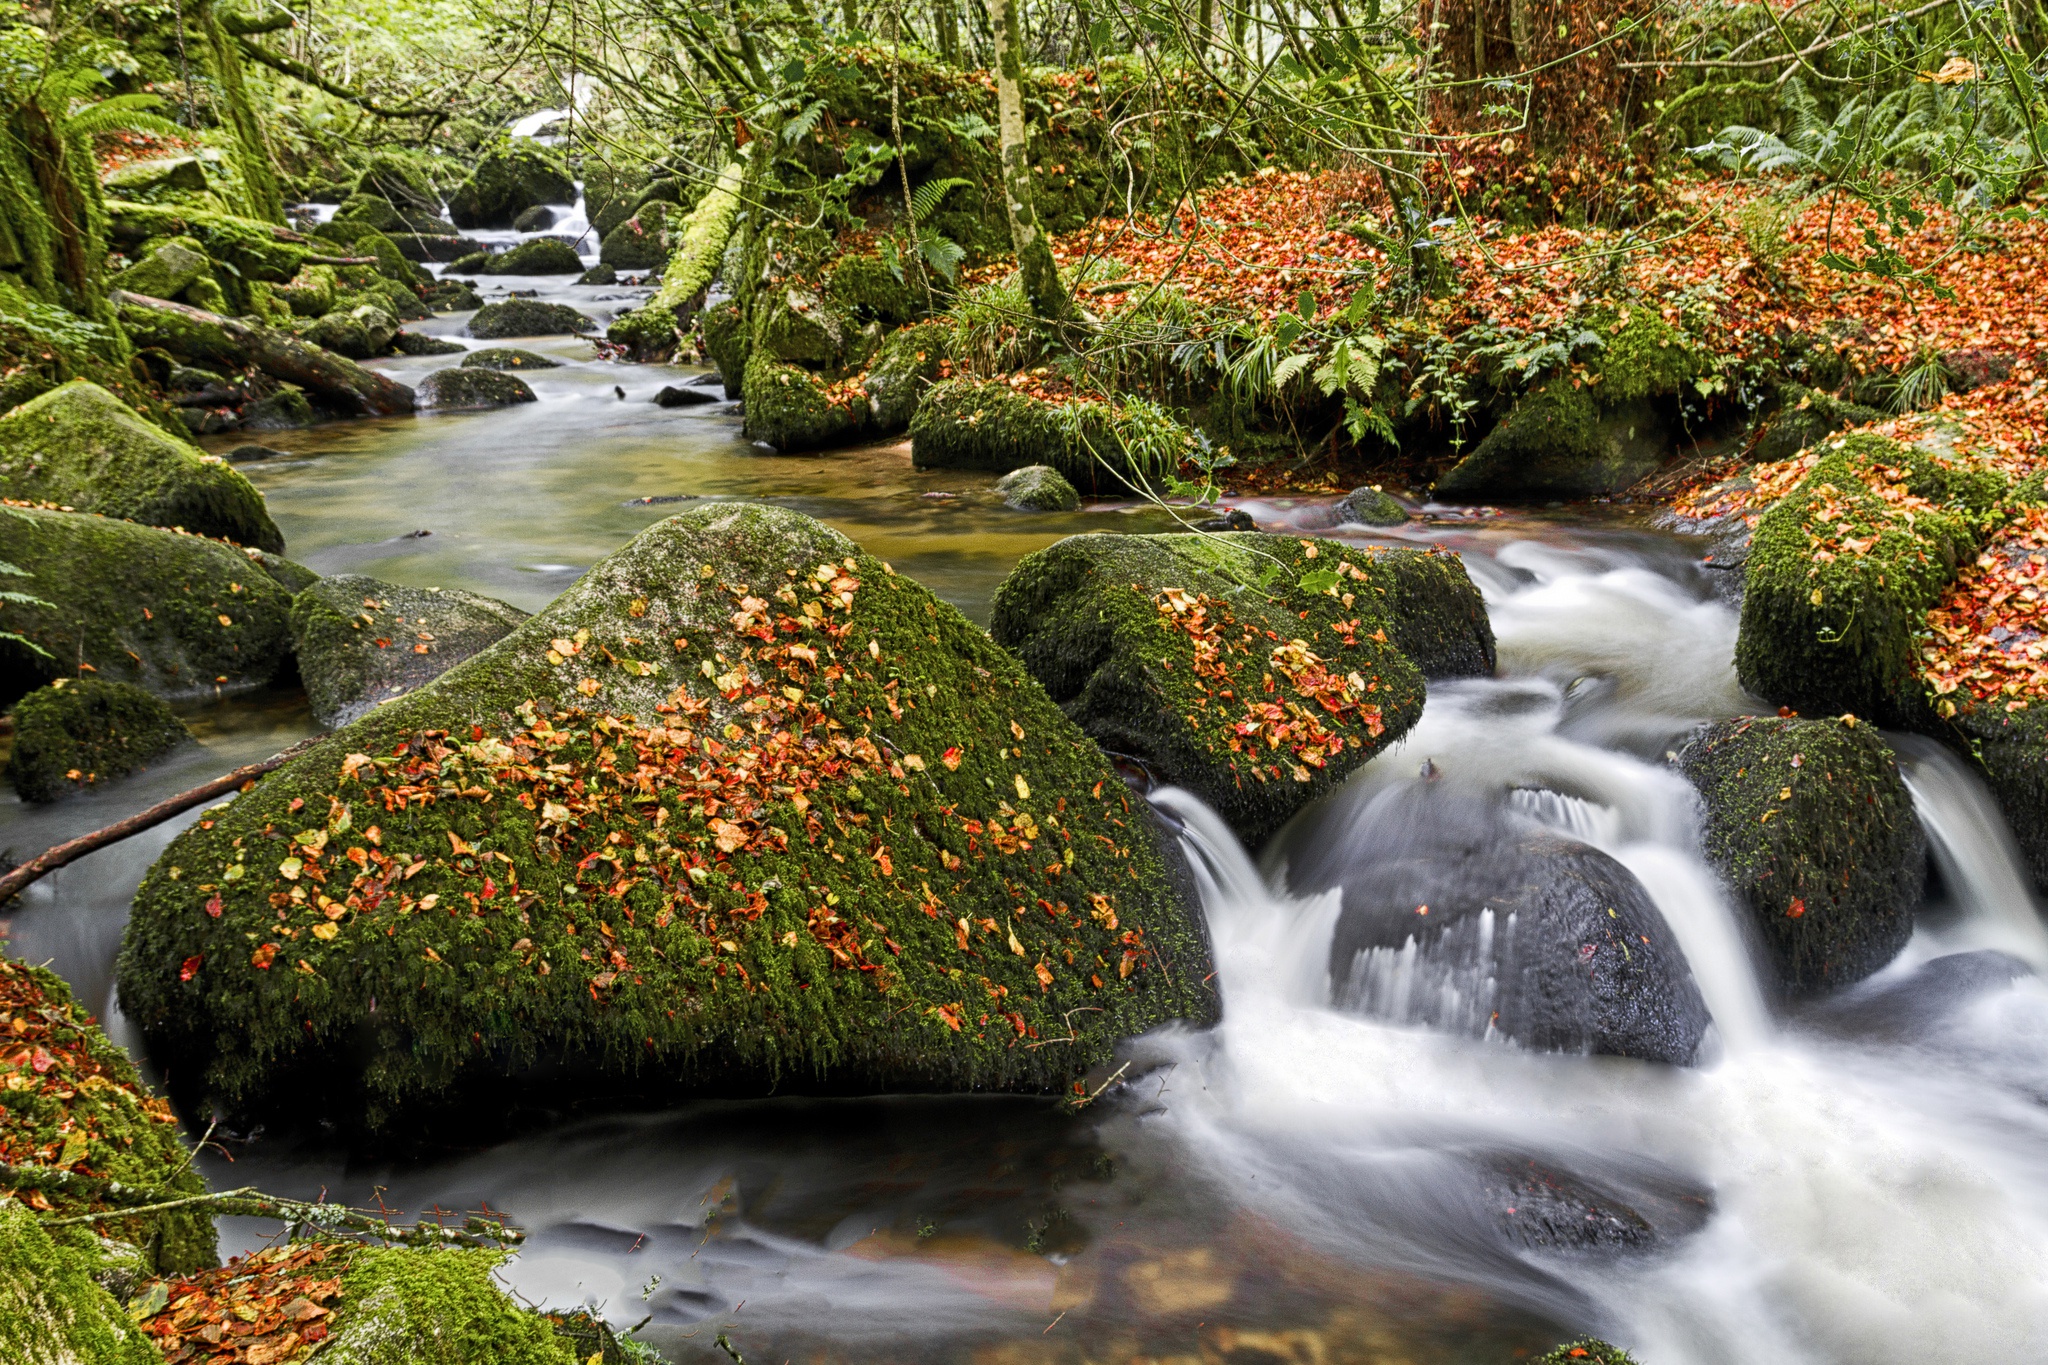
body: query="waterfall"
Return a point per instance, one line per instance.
(1975, 852)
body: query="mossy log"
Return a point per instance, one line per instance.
(258, 250)
(743, 807)
(652, 330)
(338, 382)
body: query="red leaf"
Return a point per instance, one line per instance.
(189, 968)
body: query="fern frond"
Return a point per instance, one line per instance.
(925, 200)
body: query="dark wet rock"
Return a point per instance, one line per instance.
(2011, 748)
(1458, 919)
(361, 642)
(419, 343)
(731, 988)
(1812, 829)
(1156, 647)
(465, 387)
(1230, 519)
(431, 248)
(177, 614)
(453, 296)
(1972, 367)
(79, 734)
(79, 446)
(1907, 1009)
(1543, 1205)
(508, 358)
(1804, 418)
(361, 333)
(539, 218)
(285, 409)
(1038, 488)
(527, 318)
(1558, 442)
(540, 256)
(910, 361)
(1371, 507)
(506, 183)
(249, 454)
(599, 274)
(683, 396)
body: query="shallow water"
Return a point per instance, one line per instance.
(1301, 1183)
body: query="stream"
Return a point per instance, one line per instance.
(1314, 1181)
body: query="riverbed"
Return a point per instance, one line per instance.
(1302, 1183)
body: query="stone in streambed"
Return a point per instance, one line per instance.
(418, 343)
(540, 256)
(249, 454)
(177, 614)
(527, 318)
(1371, 507)
(1163, 649)
(791, 409)
(1559, 442)
(508, 358)
(288, 409)
(506, 183)
(640, 243)
(361, 333)
(361, 642)
(539, 218)
(82, 733)
(683, 396)
(464, 389)
(1812, 829)
(1038, 488)
(81, 447)
(910, 361)
(1805, 417)
(837, 708)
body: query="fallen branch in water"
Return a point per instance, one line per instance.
(71, 851)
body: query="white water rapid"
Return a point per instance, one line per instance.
(1877, 1169)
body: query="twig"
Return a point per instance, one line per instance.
(1075, 1106)
(254, 1203)
(71, 851)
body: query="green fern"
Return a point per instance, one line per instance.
(928, 196)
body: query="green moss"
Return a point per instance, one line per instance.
(1202, 658)
(1038, 488)
(728, 344)
(699, 250)
(794, 325)
(141, 605)
(527, 318)
(1372, 507)
(404, 1306)
(363, 240)
(51, 1310)
(507, 182)
(361, 641)
(1828, 627)
(91, 1115)
(2011, 749)
(167, 271)
(79, 446)
(1559, 442)
(910, 362)
(1812, 830)
(399, 180)
(867, 289)
(987, 425)
(250, 245)
(539, 256)
(852, 967)
(1646, 357)
(1435, 614)
(42, 346)
(1806, 418)
(309, 293)
(508, 358)
(1586, 1351)
(99, 730)
(787, 407)
(640, 242)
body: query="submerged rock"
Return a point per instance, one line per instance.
(81, 447)
(683, 396)
(81, 733)
(1458, 919)
(361, 641)
(741, 807)
(464, 387)
(1371, 507)
(527, 318)
(1167, 650)
(1812, 829)
(1545, 1206)
(176, 614)
(1038, 488)
(540, 256)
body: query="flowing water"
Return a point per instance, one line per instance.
(1326, 1176)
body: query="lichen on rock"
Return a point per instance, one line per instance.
(80, 733)
(742, 806)
(1038, 488)
(361, 641)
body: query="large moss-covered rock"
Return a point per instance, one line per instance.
(176, 614)
(1560, 442)
(1371, 507)
(865, 288)
(1812, 828)
(527, 318)
(793, 409)
(78, 733)
(464, 388)
(1805, 418)
(987, 425)
(399, 180)
(74, 1115)
(507, 182)
(797, 326)
(361, 641)
(539, 256)
(1038, 488)
(167, 271)
(361, 333)
(1841, 573)
(1254, 670)
(842, 840)
(310, 293)
(911, 360)
(640, 242)
(79, 446)
(435, 1307)
(52, 1311)
(727, 343)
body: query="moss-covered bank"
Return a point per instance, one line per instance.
(1254, 670)
(81, 732)
(742, 806)
(52, 1312)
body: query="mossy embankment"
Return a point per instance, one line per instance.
(743, 806)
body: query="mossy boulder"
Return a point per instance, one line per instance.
(285, 409)
(867, 290)
(798, 327)
(1812, 829)
(508, 358)
(641, 242)
(1038, 488)
(539, 218)
(361, 333)
(793, 409)
(435, 1307)
(81, 447)
(1560, 442)
(540, 256)
(506, 183)
(527, 318)
(1805, 418)
(2011, 749)
(1586, 1351)
(988, 425)
(141, 179)
(1371, 507)
(167, 271)
(419, 343)
(423, 248)
(727, 343)
(463, 388)
(1253, 670)
(911, 360)
(84, 1118)
(52, 1311)
(310, 293)
(843, 840)
(361, 642)
(371, 210)
(399, 180)
(177, 614)
(363, 240)
(1840, 577)
(80, 733)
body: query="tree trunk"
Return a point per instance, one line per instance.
(1041, 277)
(210, 338)
(1523, 31)
(1479, 39)
(946, 20)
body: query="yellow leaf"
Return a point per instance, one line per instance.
(1023, 788)
(326, 931)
